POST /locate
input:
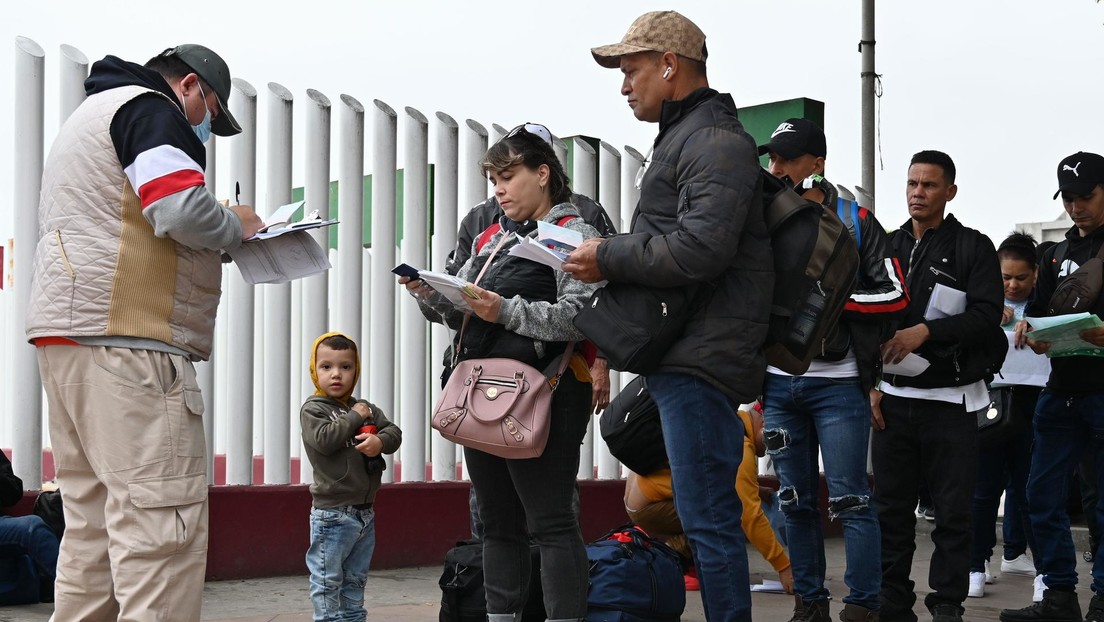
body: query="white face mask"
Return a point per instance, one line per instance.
(203, 130)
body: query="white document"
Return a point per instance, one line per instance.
(527, 248)
(449, 286)
(770, 586)
(279, 222)
(1022, 366)
(911, 365)
(280, 259)
(944, 302)
(562, 238)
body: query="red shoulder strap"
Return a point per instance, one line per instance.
(487, 234)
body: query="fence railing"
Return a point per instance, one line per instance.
(422, 177)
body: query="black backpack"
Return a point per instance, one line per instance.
(462, 596)
(47, 506)
(630, 426)
(816, 262)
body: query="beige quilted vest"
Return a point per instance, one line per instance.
(98, 268)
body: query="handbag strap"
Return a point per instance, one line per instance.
(553, 381)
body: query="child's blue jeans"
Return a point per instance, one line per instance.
(342, 542)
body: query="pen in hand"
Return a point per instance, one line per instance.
(237, 193)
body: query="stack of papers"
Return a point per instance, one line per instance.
(552, 246)
(449, 286)
(1063, 332)
(530, 249)
(280, 259)
(558, 238)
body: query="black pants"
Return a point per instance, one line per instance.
(934, 443)
(519, 499)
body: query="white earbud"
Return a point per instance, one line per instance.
(666, 73)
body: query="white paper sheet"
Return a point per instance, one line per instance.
(1022, 366)
(911, 365)
(769, 585)
(944, 302)
(532, 250)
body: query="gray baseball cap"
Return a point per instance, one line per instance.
(214, 72)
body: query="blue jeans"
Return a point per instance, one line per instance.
(37, 540)
(342, 542)
(801, 416)
(704, 438)
(1063, 428)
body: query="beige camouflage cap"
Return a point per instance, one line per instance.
(658, 31)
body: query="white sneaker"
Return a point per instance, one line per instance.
(1040, 587)
(1020, 565)
(977, 585)
(988, 575)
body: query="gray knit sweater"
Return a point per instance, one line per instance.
(541, 321)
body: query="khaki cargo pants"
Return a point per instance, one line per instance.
(127, 434)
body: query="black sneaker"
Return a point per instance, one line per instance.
(946, 612)
(1055, 607)
(1096, 609)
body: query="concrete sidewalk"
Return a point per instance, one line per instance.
(412, 594)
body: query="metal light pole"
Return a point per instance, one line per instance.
(866, 48)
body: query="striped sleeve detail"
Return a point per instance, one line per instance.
(889, 301)
(161, 171)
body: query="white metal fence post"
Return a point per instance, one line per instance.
(584, 181)
(609, 195)
(24, 394)
(446, 190)
(382, 342)
(412, 326)
(277, 363)
(239, 352)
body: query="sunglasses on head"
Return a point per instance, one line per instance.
(531, 129)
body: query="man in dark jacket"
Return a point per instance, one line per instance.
(925, 429)
(1069, 418)
(26, 535)
(826, 409)
(698, 224)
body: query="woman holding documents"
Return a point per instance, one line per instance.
(1004, 449)
(522, 309)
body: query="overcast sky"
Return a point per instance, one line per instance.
(1007, 88)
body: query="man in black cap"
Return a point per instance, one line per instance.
(127, 278)
(1069, 417)
(827, 409)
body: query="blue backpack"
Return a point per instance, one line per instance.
(634, 578)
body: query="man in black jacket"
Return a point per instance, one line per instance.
(1069, 418)
(925, 430)
(698, 224)
(826, 409)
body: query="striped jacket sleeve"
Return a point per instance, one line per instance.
(163, 161)
(881, 292)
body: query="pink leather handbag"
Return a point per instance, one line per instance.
(498, 405)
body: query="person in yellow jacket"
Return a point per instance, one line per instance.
(650, 504)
